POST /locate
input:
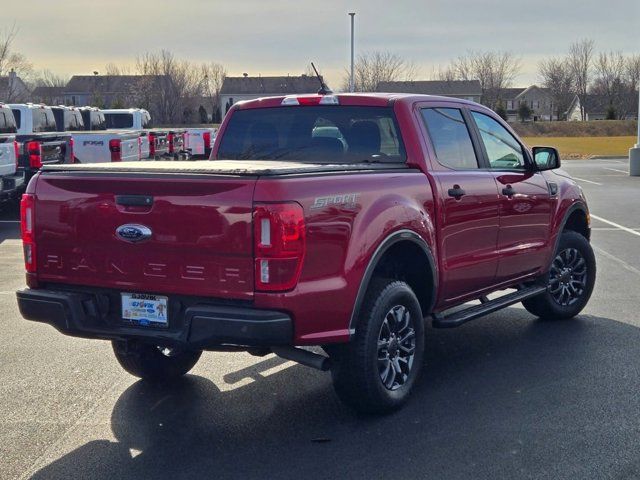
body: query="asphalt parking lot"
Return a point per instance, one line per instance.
(507, 396)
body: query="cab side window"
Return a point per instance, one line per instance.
(503, 150)
(450, 137)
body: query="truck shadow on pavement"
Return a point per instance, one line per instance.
(504, 397)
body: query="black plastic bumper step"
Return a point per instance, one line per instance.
(463, 316)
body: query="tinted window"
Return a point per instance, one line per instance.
(119, 120)
(323, 134)
(450, 137)
(503, 150)
(59, 114)
(17, 116)
(7, 123)
(98, 121)
(74, 121)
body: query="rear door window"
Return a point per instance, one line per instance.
(318, 134)
(450, 138)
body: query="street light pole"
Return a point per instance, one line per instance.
(634, 153)
(352, 85)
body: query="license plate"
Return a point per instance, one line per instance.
(144, 309)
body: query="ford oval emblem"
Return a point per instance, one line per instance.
(133, 233)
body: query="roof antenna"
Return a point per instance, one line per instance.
(324, 90)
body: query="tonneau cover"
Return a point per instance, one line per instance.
(220, 167)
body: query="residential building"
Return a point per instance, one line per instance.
(540, 102)
(465, 89)
(596, 107)
(235, 89)
(13, 89)
(48, 95)
(109, 91)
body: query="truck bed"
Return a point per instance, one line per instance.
(222, 167)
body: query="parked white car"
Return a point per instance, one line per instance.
(99, 145)
(10, 180)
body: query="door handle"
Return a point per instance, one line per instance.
(508, 191)
(457, 192)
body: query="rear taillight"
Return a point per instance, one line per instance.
(34, 151)
(16, 149)
(170, 142)
(27, 227)
(71, 154)
(152, 145)
(279, 245)
(206, 138)
(114, 148)
(139, 148)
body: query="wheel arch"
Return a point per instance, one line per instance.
(407, 250)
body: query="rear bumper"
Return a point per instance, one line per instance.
(10, 184)
(199, 325)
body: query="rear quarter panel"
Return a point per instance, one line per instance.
(342, 236)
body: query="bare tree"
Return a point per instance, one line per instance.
(14, 65)
(446, 74)
(371, 68)
(557, 75)
(609, 82)
(496, 71)
(580, 59)
(113, 69)
(169, 86)
(212, 76)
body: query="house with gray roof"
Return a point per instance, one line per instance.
(540, 102)
(108, 91)
(465, 89)
(235, 89)
(48, 95)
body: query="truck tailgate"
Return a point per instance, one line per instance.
(200, 239)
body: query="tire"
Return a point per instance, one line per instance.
(150, 363)
(390, 312)
(570, 280)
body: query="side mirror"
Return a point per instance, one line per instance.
(546, 158)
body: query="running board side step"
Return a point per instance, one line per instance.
(489, 306)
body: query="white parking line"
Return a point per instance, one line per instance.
(624, 264)
(616, 170)
(617, 225)
(588, 181)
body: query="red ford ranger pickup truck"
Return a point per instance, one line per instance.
(340, 221)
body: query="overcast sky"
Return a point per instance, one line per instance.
(280, 37)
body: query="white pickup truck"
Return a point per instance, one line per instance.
(98, 145)
(10, 181)
(199, 142)
(39, 143)
(175, 145)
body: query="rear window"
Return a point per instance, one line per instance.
(43, 120)
(119, 120)
(73, 121)
(98, 121)
(319, 134)
(7, 122)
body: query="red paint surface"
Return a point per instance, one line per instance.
(203, 243)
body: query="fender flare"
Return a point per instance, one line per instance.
(573, 208)
(385, 245)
